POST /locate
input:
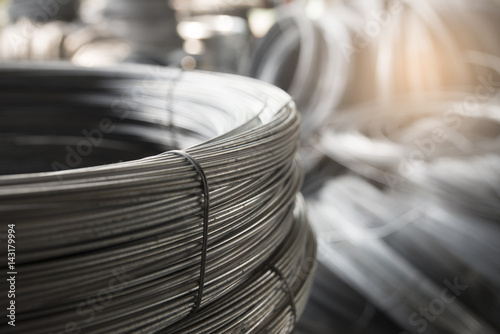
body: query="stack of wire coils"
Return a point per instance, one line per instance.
(118, 230)
(44, 11)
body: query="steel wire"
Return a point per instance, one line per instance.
(84, 216)
(402, 172)
(302, 57)
(411, 225)
(364, 52)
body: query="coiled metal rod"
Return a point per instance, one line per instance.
(84, 220)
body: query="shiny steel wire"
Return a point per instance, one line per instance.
(398, 209)
(364, 51)
(422, 207)
(335, 306)
(140, 221)
(390, 143)
(401, 258)
(302, 57)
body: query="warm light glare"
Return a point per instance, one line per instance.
(224, 24)
(193, 30)
(260, 21)
(315, 9)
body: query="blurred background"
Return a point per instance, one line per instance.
(211, 35)
(400, 108)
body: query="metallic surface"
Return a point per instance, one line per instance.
(140, 222)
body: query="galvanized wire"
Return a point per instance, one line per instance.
(412, 120)
(141, 220)
(417, 211)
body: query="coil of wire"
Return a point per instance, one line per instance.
(420, 200)
(302, 57)
(419, 206)
(117, 233)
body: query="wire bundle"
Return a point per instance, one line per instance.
(401, 134)
(391, 143)
(417, 211)
(402, 252)
(364, 51)
(335, 306)
(138, 246)
(302, 57)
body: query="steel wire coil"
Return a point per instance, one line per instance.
(335, 306)
(390, 143)
(427, 224)
(365, 51)
(302, 57)
(415, 209)
(402, 257)
(84, 217)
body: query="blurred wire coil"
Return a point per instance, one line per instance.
(420, 200)
(361, 52)
(401, 159)
(302, 57)
(391, 143)
(111, 225)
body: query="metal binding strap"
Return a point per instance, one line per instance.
(206, 210)
(287, 286)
